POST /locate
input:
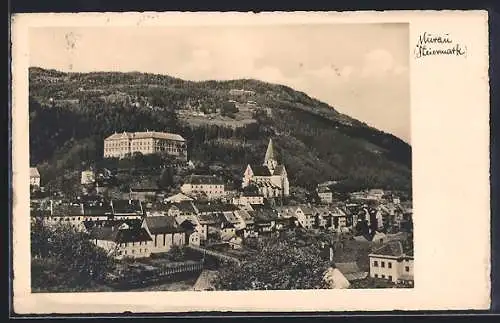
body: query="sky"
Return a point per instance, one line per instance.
(359, 69)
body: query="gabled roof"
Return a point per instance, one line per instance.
(178, 197)
(120, 235)
(185, 206)
(126, 206)
(279, 169)
(260, 170)
(96, 210)
(347, 267)
(211, 218)
(203, 180)
(231, 217)
(215, 207)
(392, 248)
(66, 210)
(307, 210)
(162, 224)
(34, 172)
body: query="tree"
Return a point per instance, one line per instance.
(64, 258)
(278, 265)
(167, 178)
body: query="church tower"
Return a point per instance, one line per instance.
(270, 159)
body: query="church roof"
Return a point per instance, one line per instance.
(269, 151)
(280, 169)
(260, 170)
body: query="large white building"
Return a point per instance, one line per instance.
(270, 178)
(127, 143)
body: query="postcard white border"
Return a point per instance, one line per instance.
(450, 142)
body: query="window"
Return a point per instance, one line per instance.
(376, 276)
(390, 278)
(389, 265)
(382, 264)
(375, 263)
(383, 276)
(407, 269)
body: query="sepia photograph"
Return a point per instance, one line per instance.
(204, 158)
(220, 158)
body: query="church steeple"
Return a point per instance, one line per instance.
(269, 152)
(270, 159)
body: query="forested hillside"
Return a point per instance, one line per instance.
(71, 114)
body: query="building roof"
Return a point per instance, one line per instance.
(145, 135)
(178, 197)
(120, 235)
(279, 170)
(347, 267)
(231, 217)
(66, 210)
(185, 206)
(104, 209)
(307, 210)
(203, 180)
(324, 189)
(245, 216)
(215, 207)
(211, 218)
(260, 170)
(392, 248)
(145, 184)
(126, 206)
(34, 172)
(162, 224)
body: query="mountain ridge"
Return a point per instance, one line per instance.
(97, 103)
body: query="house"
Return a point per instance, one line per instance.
(270, 178)
(264, 220)
(211, 186)
(87, 177)
(392, 263)
(322, 217)
(179, 197)
(34, 177)
(145, 190)
(233, 218)
(379, 237)
(156, 209)
(351, 271)
(306, 216)
(375, 194)
(165, 233)
(66, 213)
(233, 241)
(122, 241)
(248, 198)
(339, 219)
(248, 222)
(123, 209)
(325, 194)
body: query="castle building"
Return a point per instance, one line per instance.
(127, 143)
(270, 178)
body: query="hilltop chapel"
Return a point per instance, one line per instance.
(270, 178)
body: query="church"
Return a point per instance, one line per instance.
(270, 178)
